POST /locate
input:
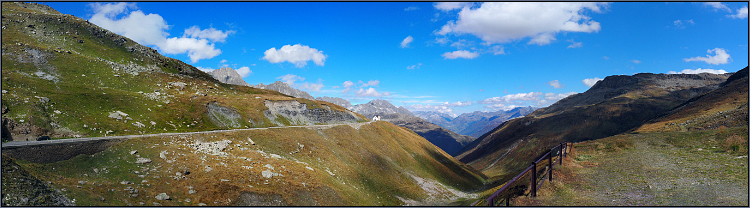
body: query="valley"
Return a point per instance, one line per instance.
(91, 117)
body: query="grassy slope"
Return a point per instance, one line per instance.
(697, 168)
(369, 166)
(87, 89)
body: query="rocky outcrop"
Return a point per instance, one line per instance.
(284, 88)
(229, 76)
(224, 117)
(292, 112)
(379, 106)
(336, 100)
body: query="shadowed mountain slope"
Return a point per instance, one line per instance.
(612, 106)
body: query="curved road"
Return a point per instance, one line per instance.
(17, 144)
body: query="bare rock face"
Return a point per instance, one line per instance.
(292, 112)
(337, 100)
(229, 76)
(284, 88)
(224, 117)
(380, 107)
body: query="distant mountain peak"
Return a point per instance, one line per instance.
(229, 76)
(380, 106)
(286, 89)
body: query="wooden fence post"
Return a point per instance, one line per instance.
(533, 179)
(549, 157)
(562, 152)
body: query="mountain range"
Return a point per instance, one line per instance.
(65, 78)
(476, 123)
(615, 105)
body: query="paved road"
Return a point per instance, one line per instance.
(17, 144)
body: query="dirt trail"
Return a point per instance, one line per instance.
(17, 144)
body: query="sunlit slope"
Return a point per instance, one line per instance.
(614, 105)
(65, 77)
(725, 107)
(377, 164)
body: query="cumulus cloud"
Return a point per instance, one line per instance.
(555, 97)
(591, 81)
(741, 13)
(292, 79)
(370, 83)
(531, 96)
(416, 66)
(555, 83)
(698, 71)
(347, 86)
(370, 92)
(210, 33)
(574, 44)
(717, 6)
(501, 22)
(442, 108)
(296, 54)
(448, 6)
(411, 8)
(151, 30)
(406, 41)
(721, 57)
(636, 61)
(460, 54)
(244, 71)
(501, 107)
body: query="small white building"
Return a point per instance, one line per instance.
(376, 118)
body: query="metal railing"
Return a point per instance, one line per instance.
(509, 191)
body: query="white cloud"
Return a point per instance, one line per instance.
(574, 44)
(636, 61)
(370, 83)
(416, 66)
(442, 108)
(605, 58)
(591, 81)
(244, 71)
(411, 8)
(296, 54)
(531, 96)
(497, 50)
(348, 84)
(196, 49)
(406, 41)
(501, 22)
(150, 30)
(698, 71)
(291, 79)
(501, 107)
(210, 33)
(721, 57)
(741, 13)
(462, 43)
(371, 92)
(555, 83)
(552, 97)
(718, 6)
(209, 69)
(442, 40)
(448, 6)
(460, 54)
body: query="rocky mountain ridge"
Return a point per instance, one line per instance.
(615, 105)
(284, 88)
(476, 123)
(229, 76)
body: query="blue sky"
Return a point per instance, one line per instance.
(449, 57)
